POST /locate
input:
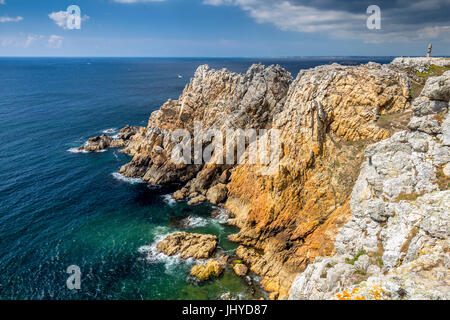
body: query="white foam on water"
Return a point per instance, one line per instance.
(196, 222)
(154, 256)
(229, 296)
(75, 150)
(223, 216)
(110, 130)
(169, 200)
(121, 177)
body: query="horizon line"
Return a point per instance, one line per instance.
(218, 57)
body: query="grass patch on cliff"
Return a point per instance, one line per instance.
(408, 197)
(421, 77)
(440, 117)
(433, 71)
(415, 89)
(394, 121)
(360, 253)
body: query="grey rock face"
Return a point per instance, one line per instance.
(420, 64)
(446, 131)
(423, 106)
(438, 88)
(425, 124)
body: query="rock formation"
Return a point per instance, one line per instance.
(104, 141)
(339, 182)
(420, 64)
(188, 245)
(240, 269)
(213, 268)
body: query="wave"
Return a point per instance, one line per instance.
(121, 177)
(196, 222)
(110, 130)
(75, 150)
(223, 217)
(229, 296)
(167, 198)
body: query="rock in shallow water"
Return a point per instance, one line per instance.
(240, 269)
(213, 268)
(188, 245)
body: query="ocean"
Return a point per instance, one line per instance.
(60, 208)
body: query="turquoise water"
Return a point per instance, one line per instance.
(59, 208)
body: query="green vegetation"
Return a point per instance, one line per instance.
(439, 117)
(379, 261)
(442, 180)
(394, 121)
(355, 258)
(408, 197)
(433, 71)
(361, 272)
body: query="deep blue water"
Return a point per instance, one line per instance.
(59, 208)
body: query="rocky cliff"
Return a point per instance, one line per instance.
(327, 117)
(396, 243)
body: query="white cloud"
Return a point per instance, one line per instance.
(2, 2)
(31, 38)
(434, 32)
(7, 42)
(401, 21)
(10, 19)
(218, 2)
(55, 41)
(137, 1)
(60, 18)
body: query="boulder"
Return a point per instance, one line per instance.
(217, 194)
(438, 88)
(225, 177)
(127, 132)
(213, 268)
(101, 143)
(196, 200)
(423, 106)
(188, 245)
(362, 263)
(180, 194)
(240, 269)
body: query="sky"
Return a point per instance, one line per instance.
(224, 28)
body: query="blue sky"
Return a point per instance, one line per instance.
(223, 28)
